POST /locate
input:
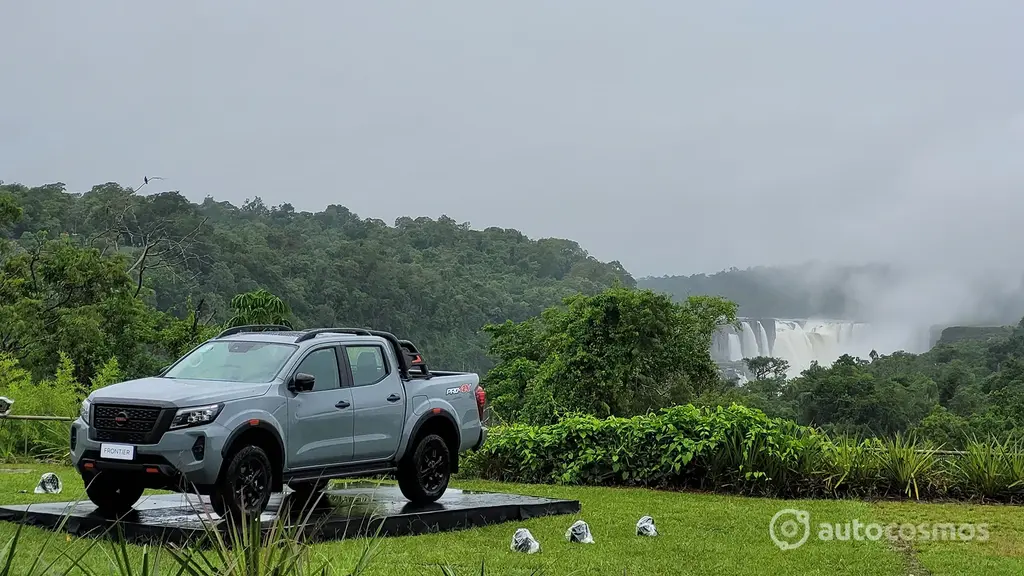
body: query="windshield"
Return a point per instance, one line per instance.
(245, 362)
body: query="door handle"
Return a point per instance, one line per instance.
(394, 398)
(342, 404)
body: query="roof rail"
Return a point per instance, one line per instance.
(313, 333)
(255, 328)
(403, 360)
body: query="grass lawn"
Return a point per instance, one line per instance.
(700, 534)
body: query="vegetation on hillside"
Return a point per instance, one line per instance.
(767, 292)
(436, 282)
(949, 395)
(111, 285)
(624, 353)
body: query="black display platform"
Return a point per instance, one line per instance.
(356, 509)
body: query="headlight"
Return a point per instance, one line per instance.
(197, 416)
(84, 412)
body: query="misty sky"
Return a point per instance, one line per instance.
(674, 136)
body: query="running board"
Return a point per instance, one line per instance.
(332, 472)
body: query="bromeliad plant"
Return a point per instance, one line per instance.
(909, 466)
(991, 469)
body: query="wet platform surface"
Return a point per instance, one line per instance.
(354, 509)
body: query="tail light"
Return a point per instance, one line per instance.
(481, 400)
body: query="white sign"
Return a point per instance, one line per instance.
(117, 451)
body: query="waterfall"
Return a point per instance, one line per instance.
(762, 339)
(735, 348)
(748, 342)
(800, 342)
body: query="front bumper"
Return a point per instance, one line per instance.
(169, 464)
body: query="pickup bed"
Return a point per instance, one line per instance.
(260, 407)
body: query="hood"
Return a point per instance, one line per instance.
(180, 393)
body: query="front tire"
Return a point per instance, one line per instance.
(113, 496)
(424, 474)
(245, 485)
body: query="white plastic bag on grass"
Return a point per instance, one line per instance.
(49, 484)
(523, 541)
(645, 527)
(579, 532)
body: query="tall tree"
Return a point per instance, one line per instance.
(620, 352)
(259, 307)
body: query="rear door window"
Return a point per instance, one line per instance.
(368, 364)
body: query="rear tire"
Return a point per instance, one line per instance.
(113, 496)
(245, 485)
(425, 472)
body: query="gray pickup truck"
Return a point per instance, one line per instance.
(261, 407)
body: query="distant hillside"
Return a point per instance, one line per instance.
(838, 292)
(954, 334)
(435, 281)
(774, 292)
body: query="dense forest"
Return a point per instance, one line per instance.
(967, 386)
(630, 352)
(113, 284)
(437, 282)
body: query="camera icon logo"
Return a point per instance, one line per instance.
(790, 528)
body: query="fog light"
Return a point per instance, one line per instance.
(199, 448)
(74, 438)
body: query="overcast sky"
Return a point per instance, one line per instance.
(674, 136)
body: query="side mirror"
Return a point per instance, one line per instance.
(302, 382)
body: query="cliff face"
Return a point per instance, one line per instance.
(953, 334)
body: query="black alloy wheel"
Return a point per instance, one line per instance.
(432, 466)
(245, 485)
(425, 471)
(251, 483)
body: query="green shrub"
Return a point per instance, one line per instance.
(908, 466)
(61, 396)
(850, 465)
(736, 448)
(741, 450)
(990, 470)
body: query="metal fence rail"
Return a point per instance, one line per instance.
(38, 418)
(5, 413)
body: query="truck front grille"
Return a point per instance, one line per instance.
(111, 436)
(132, 424)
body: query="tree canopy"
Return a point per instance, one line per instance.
(112, 283)
(959, 389)
(434, 281)
(618, 353)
